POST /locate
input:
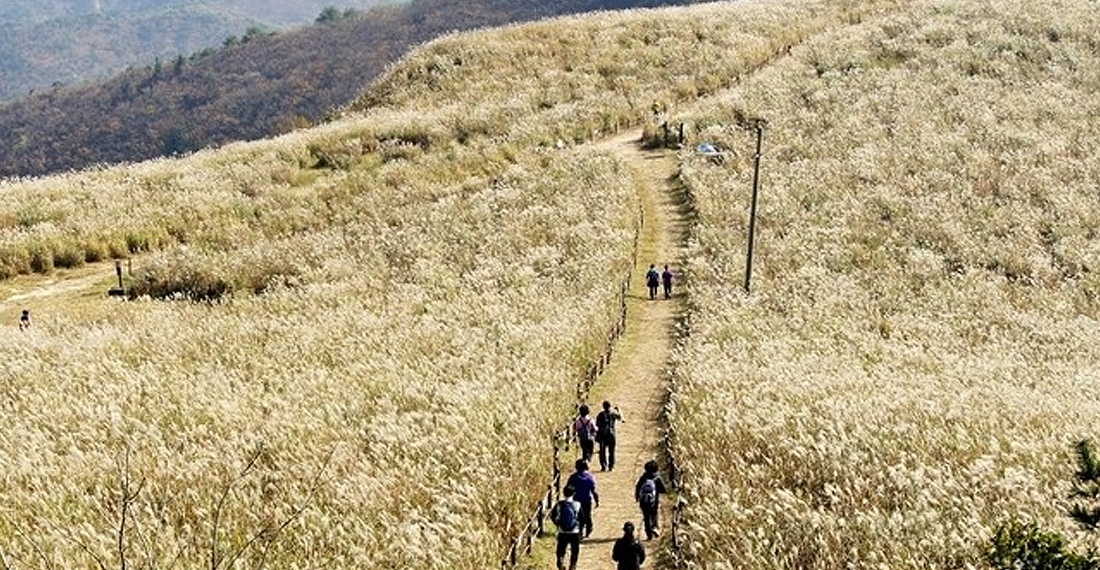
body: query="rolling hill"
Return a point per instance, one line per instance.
(397, 303)
(263, 86)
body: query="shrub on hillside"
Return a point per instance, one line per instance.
(1024, 546)
(178, 278)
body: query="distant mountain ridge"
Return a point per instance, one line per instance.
(260, 88)
(48, 42)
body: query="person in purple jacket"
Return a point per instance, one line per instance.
(584, 487)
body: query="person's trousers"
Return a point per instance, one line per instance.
(586, 450)
(607, 452)
(652, 291)
(586, 517)
(572, 541)
(649, 521)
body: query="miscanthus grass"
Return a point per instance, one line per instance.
(919, 350)
(371, 326)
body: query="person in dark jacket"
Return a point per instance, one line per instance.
(628, 552)
(605, 434)
(647, 492)
(566, 515)
(666, 281)
(652, 280)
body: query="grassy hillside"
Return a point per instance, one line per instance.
(399, 305)
(249, 91)
(397, 301)
(919, 352)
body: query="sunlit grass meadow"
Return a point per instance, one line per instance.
(919, 351)
(348, 346)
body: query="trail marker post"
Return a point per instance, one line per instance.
(758, 125)
(117, 291)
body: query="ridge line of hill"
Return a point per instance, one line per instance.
(258, 89)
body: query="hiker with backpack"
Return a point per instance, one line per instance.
(584, 485)
(647, 492)
(585, 430)
(652, 280)
(566, 516)
(605, 435)
(628, 552)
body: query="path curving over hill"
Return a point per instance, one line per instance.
(636, 380)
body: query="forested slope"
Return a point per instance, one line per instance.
(260, 88)
(49, 43)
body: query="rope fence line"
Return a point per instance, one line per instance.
(677, 473)
(676, 477)
(524, 541)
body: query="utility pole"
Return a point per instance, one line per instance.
(758, 125)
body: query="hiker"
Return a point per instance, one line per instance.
(585, 430)
(666, 280)
(647, 492)
(25, 320)
(605, 435)
(652, 279)
(628, 552)
(566, 516)
(584, 485)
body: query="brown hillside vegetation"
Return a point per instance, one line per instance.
(260, 88)
(432, 281)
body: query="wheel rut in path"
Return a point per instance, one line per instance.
(636, 379)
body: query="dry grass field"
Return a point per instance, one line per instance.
(351, 342)
(919, 352)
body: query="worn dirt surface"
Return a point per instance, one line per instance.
(636, 379)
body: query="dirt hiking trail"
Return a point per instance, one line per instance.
(78, 291)
(636, 379)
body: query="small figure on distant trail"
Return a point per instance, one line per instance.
(666, 280)
(647, 492)
(566, 516)
(25, 320)
(605, 434)
(628, 552)
(585, 430)
(585, 486)
(652, 280)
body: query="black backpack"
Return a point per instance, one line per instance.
(605, 425)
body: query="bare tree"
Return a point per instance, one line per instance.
(268, 533)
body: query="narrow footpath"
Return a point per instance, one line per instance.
(636, 379)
